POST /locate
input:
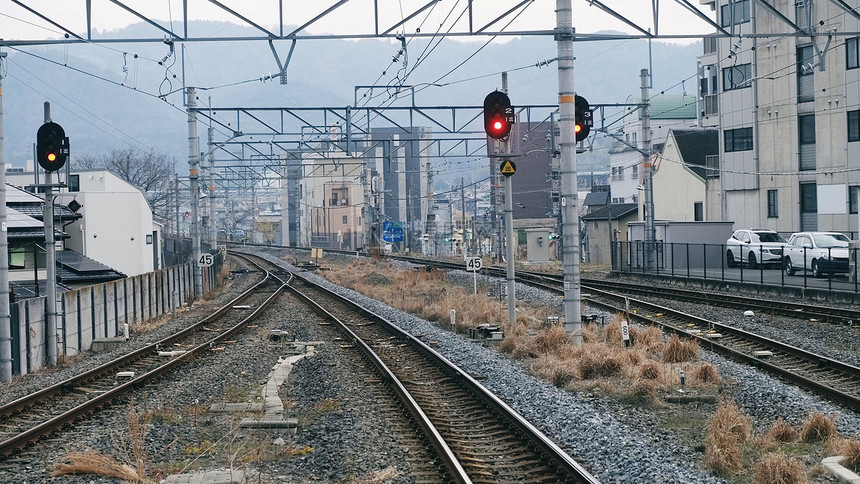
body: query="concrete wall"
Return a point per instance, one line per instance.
(101, 311)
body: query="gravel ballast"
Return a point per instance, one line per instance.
(342, 432)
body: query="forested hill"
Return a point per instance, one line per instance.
(107, 96)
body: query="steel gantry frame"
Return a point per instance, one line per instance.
(498, 25)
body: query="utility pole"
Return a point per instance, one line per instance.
(5, 316)
(567, 163)
(463, 215)
(194, 167)
(650, 231)
(213, 227)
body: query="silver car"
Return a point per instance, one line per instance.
(754, 246)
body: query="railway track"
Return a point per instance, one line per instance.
(835, 380)
(475, 435)
(37, 416)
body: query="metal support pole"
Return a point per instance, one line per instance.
(5, 317)
(511, 242)
(511, 246)
(50, 264)
(567, 164)
(194, 167)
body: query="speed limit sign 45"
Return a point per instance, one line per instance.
(204, 260)
(474, 264)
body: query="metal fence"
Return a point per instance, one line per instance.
(708, 262)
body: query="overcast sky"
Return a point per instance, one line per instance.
(353, 17)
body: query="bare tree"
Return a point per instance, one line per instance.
(149, 171)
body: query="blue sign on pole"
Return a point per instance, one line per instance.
(392, 231)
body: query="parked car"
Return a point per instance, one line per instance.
(819, 252)
(754, 246)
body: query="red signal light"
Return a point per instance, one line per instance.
(498, 115)
(52, 157)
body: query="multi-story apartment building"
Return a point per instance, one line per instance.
(402, 161)
(782, 83)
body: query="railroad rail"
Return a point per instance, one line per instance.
(838, 381)
(37, 416)
(480, 438)
(835, 380)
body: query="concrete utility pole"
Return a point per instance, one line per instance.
(194, 167)
(50, 263)
(463, 215)
(650, 231)
(567, 163)
(5, 317)
(213, 227)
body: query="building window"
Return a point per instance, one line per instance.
(853, 192)
(854, 125)
(698, 212)
(737, 77)
(17, 256)
(852, 53)
(806, 138)
(735, 13)
(805, 69)
(740, 139)
(772, 204)
(634, 171)
(345, 219)
(74, 183)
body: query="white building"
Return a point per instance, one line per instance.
(625, 161)
(116, 227)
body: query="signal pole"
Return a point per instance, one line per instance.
(567, 160)
(50, 262)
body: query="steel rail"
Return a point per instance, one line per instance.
(560, 458)
(67, 418)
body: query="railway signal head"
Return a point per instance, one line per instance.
(52, 146)
(582, 114)
(498, 115)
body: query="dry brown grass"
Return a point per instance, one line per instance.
(596, 360)
(705, 374)
(728, 428)
(556, 370)
(782, 431)
(777, 468)
(723, 454)
(818, 428)
(649, 338)
(79, 463)
(850, 451)
(678, 351)
(426, 294)
(729, 419)
(132, 449)
(649, 370)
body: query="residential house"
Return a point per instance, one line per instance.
(679, 175)
(115, 226)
